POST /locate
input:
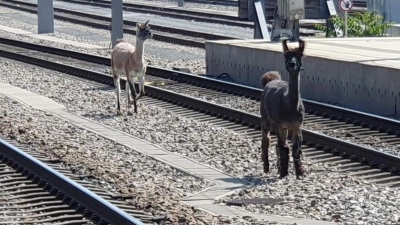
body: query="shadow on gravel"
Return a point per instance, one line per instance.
(101, 116)
(100, 88)
(260, 180)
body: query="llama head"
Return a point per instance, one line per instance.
(143, 31)
(293, 57)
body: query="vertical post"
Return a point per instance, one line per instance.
(345, 24)
(45, 12)
(117, 21)
(180, 3)
(260, 24)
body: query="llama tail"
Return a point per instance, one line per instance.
(269, 76)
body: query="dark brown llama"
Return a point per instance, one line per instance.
(281, 110)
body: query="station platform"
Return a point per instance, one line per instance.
(357, 73)
(394, 30)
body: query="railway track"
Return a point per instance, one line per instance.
(199, 16)
(40, 190)
(380, 166)
(160, 33)
(208, 17)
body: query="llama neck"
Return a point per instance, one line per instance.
(294, 89)
(139, 48)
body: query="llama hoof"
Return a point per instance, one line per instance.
(279, 169)
(283, 173)
(130, 113)
(119, 112)
(266, 167)
(139, 96)
(298, 167)
(283, 176)
(299, 177)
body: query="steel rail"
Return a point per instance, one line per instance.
(158, 31)
(161, 33)
(159, 36)
(371, 121)
(357, 153)
(171, 9)
(187, 14)
(102, 212)
(171, 12)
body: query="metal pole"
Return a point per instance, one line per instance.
(117, 21)
(180, 3)
(345, 24)
(45, 12)
(260, 24)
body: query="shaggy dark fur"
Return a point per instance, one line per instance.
(269, 76)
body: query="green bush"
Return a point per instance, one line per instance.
(365, 24)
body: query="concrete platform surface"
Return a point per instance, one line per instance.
(224, 184)
(48, 38)
(357, 73)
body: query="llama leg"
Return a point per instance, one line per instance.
(127, 89)
(117, 92)
(278, 158)
(141, 80)
(133, 91)
(265, 142)
(277, 152)
(297, 139)
(283, 152)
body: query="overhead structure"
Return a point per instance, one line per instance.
(260, 23)
(332, 12)
(287, 16)
(286, 20)
(117, 21)
(45, 11)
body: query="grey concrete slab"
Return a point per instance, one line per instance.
(29, 98)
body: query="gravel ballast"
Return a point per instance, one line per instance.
(169, 55)
(157, 187)
(190, 5)
(250, 106)
(130, 172)
(349, 200)
(223, 149)
(161, 54)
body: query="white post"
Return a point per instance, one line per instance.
(345, 24)
(45, 12)
(117, 21)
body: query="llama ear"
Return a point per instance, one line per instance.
(147, 22)
(284, 45)
(302, 45)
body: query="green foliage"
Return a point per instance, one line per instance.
(365, 24)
